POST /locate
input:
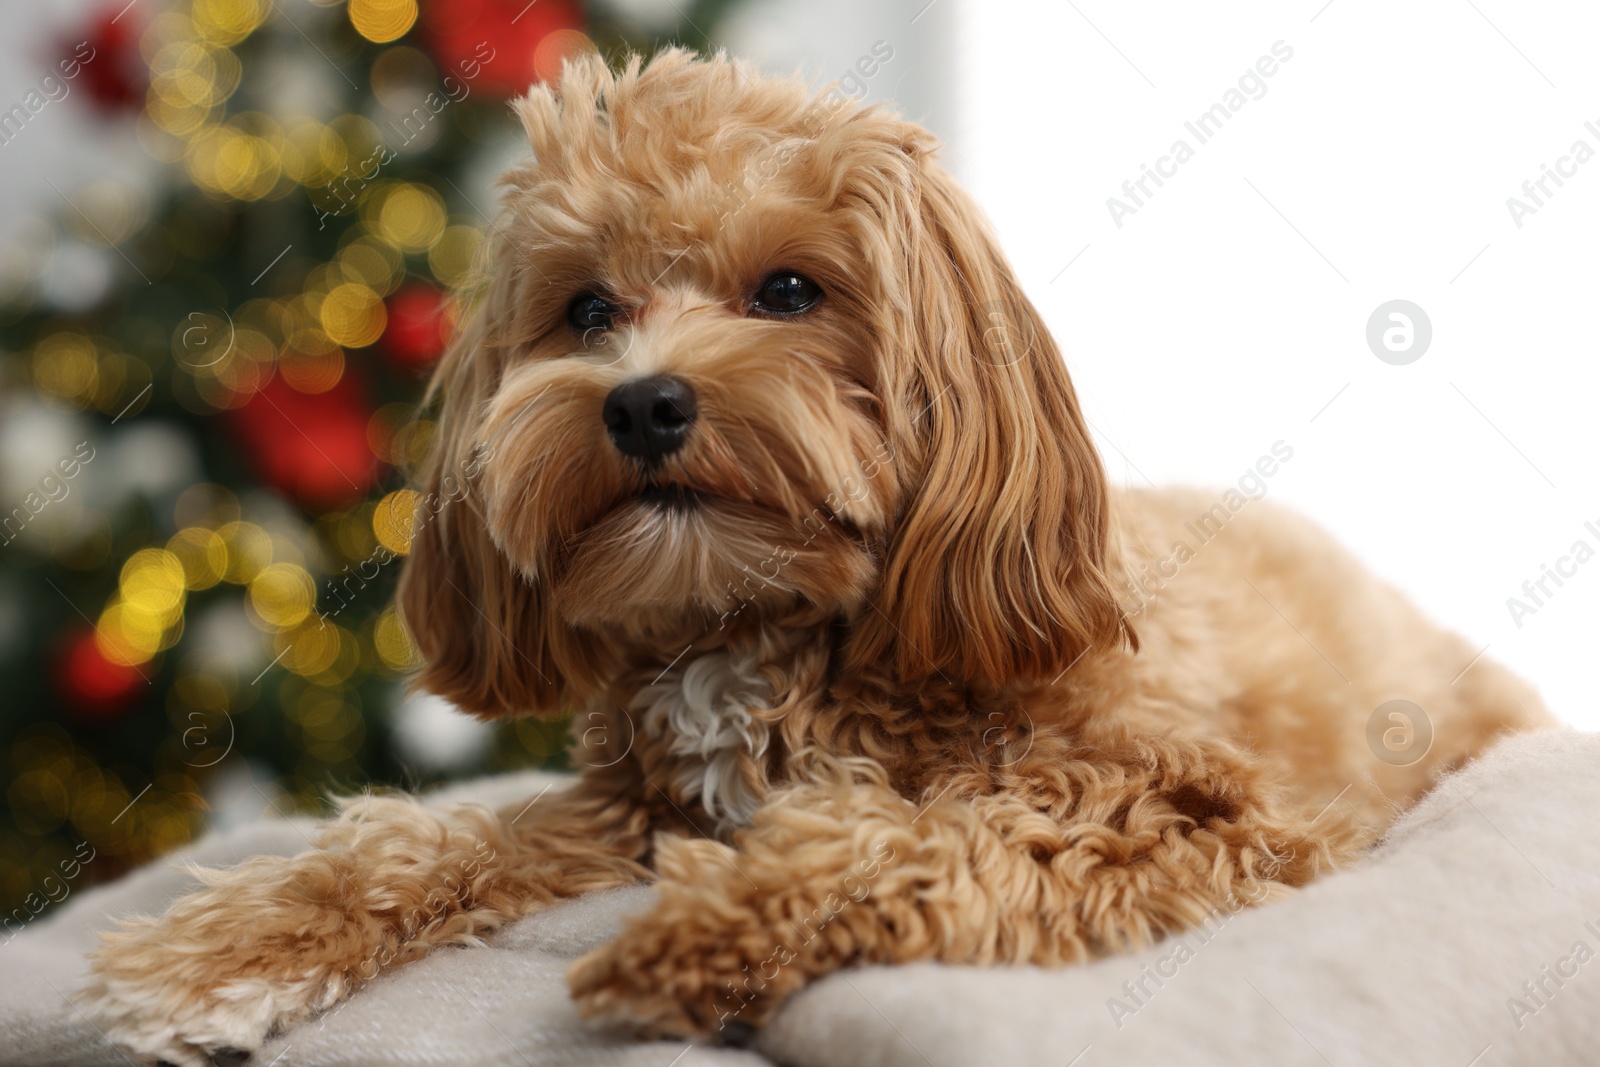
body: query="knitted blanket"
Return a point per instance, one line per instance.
(1466, 937)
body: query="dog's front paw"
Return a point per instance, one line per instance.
(157, 1021)
(685, 970)
(161, 996)
(655, 985)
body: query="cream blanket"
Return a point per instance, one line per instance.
(1471, 936)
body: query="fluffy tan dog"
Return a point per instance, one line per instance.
(774, 476)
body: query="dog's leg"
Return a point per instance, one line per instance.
(1107, 849)
(275, 939)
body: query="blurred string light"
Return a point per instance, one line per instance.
(226, 22)
(351, 314)
(408, 216)
(399, 437)
(145, 615)
(453, 255)
(87, 372)
(382, 21)
(393, 644)
(393, 520)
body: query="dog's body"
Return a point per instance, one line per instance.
(868, 662)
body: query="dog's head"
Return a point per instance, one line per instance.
(746, 355)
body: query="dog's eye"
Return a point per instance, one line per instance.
(788, 293)
(590, 312)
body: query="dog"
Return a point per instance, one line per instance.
(753, 455)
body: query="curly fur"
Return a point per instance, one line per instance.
(885, 695)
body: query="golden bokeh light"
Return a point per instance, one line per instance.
(313, 154)
(282, 595)
(145, 615)
(226, 22)
(393, 520)
(409, 216)
(153, 582)
(179, 120)
(352, 315)
(363, 144)
(353, 532)
(413, 441)
(453, 255)
(312, 371)
(249, 551)
(203, 555)
(66, 365)
(191, 75)
(393, 644)
(372, 263)
(308, 649)
(241, 160)
(382, 21)
(230, 381)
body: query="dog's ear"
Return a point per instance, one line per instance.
(995, 574)
(480, 626)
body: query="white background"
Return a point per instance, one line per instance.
(1207, 327)
(1231, 309)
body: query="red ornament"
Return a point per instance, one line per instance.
(105, 56)
(417, 329)
(312, 446)
(490, 45)
(90, 684)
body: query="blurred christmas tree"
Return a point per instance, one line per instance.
(211, 405)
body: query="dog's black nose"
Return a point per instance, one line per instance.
(650, 417)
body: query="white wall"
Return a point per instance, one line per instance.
(826, 40)
(1229, 311)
